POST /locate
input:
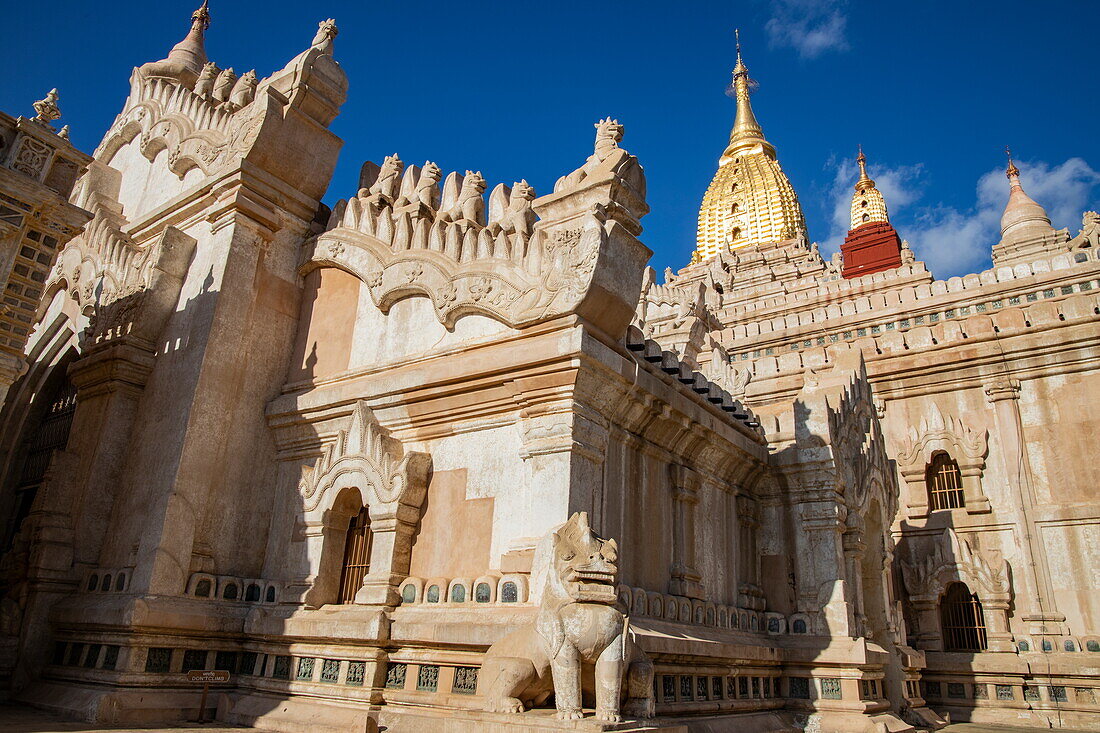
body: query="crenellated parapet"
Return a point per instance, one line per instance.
(520, 260)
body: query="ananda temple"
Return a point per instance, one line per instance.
(448, 456)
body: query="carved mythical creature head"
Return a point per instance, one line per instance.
(473, 183)
(582, 564)
(326, 31)
(391, 166)
(209, 71)
(522, 192)
(429, 175)
(1090, 219)
(609, 133)
(249, 78)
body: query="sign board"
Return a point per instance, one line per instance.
(208, 676)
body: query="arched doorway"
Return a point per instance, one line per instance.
(46, 431)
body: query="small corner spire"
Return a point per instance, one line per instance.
(191, 51)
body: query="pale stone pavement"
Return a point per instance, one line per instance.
(21, 719)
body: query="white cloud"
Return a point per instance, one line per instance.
(956, 241)
(810, 27)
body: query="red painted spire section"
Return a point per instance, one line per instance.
(870, 248)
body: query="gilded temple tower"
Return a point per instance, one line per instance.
(749, 200)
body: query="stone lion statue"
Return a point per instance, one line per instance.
(469, 205)
(204, 86)
(1089, 236)
(380, 184)
(426, 190)
(519, 217)
(579, 645)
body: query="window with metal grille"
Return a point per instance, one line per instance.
(944, 483)
(962, 620)
(356, 556)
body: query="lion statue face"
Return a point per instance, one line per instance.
(391, 166)
(473, 183)
(522, 191)
(583, 564)
(429, 174)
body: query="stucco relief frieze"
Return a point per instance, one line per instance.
(125, 287)
(196, 131)
(953, 559)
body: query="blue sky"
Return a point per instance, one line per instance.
(933, 91)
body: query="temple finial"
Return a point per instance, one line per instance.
(191, 51)
(202, 15)
(1012, 171)
(868, 204)
(864, 181)
(746, 131)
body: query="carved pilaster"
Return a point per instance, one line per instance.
(1039, 605)
(685, 579)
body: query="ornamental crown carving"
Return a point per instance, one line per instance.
(937, 432)
(951, 560)
(402, 236)
(365, 456)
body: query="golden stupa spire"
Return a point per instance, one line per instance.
(868, 205)
(746, 133)
(749, 201)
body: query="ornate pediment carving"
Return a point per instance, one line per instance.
(951, 560)
(126, 288)
(364, 455)
(937, 432)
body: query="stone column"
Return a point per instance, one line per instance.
(324, 538)
(749, 593)
(821, 569)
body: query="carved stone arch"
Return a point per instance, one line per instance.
(199, 149)
(392, 485)
(165, 132)
(965, 444)
(118, 139)
(953, 560)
